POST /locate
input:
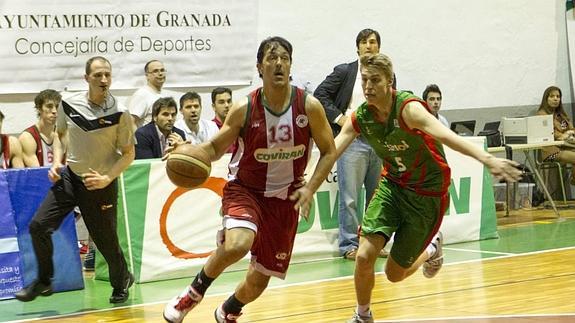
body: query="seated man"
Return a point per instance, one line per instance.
(221, 103)
(10, 150)
(157, 137)
(37, 139)
(197, 130)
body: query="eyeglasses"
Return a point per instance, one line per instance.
(158, 71)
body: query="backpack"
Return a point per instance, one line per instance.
(537, 196)
(493, 137)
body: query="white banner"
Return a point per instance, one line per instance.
(471, 203)
(202, 43)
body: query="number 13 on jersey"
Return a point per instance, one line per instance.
(280, 133)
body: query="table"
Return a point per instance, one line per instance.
(526, 148)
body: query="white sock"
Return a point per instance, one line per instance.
(363, 310)
(431, 248)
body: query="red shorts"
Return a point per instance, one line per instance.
(274, 220)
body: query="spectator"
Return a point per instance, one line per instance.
(197, 130)
(100, 138)
(221, 103)
(157, 137)
(341, 93)
(563, 128)
(432, 95)
(141, 102)
(37, 140)
(10, 150)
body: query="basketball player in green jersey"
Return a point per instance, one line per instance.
(412, 195)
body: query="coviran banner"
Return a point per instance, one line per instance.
(202, 43)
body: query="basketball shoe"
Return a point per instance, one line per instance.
(432, 265)
(179, 306)
(356, 318)
(223, 317)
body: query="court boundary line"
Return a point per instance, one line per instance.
(479, 251)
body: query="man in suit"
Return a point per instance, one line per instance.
(340, 94)
(159, 136)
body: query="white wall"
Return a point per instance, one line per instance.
(483, 54)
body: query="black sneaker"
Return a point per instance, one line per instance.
(30, 292)
(120, 295)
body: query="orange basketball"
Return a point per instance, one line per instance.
(188, 166)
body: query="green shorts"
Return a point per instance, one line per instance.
(414, 218)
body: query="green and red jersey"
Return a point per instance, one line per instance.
(411, 158)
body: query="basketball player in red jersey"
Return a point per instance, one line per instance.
(37, 140)
(274, 126)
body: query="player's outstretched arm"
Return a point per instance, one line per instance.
(416, 116)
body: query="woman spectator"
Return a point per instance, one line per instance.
(563, 128)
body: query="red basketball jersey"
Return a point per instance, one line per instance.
(4, 152)
(274, 147)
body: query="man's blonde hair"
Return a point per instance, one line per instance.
(379, 63)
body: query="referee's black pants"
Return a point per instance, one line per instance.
(99, 211)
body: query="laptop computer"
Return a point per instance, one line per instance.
(492, 125)
(463, 128)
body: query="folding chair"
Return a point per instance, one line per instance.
(550, 165)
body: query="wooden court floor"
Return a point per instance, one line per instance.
(527, 275)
